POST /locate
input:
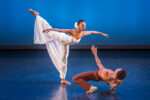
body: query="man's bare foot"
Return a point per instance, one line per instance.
(63, 81)
(34, 12)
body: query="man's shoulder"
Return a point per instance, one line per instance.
(109, 71)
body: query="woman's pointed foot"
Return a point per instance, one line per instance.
(63, 81)
(34, 12)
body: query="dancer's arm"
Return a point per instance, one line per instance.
(114, 85)
(95, 32)
(58, 30)
(98, 61)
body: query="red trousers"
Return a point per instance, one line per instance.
(81, 79)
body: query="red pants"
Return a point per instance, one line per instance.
(81, 79)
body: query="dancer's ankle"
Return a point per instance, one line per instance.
(63, 81)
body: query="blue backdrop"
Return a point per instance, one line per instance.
(126, 21)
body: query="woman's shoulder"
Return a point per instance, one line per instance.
(73, 31)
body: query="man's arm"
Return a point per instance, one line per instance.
(98, 61)
(58, 30)
(114, 85)
(94, 32)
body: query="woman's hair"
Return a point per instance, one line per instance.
(78, 22)
(121, 74)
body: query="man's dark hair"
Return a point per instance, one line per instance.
(79, 21)
(121, 74)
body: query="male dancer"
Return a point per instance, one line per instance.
(112, 78)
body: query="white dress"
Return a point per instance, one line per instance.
(57, 44)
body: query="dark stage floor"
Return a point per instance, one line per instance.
(30, 75)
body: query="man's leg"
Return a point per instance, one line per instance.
(81, 80)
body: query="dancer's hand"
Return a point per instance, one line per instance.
(106, 35)
(113, 91)
(46, 31)
(94, 49)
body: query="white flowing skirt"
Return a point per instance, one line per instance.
(57, 44)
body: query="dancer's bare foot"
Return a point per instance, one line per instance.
(34, 12)
(63, 81)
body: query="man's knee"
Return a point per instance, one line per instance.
(75, 79)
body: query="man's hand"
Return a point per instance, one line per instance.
(113, 91)
(106, 35)
(113, 86)
(94, 49)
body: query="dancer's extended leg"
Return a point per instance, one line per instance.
(41, 25)
(55, 46)
(34, 12)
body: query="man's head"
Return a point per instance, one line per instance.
(120, 74)
(81, 25)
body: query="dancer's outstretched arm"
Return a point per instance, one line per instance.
(58, 30)
(94, 32)
(98, 61)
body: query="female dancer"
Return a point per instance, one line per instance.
(57, 42)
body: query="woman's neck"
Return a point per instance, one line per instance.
(78, 31)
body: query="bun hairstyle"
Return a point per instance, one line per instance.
(77, 23)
